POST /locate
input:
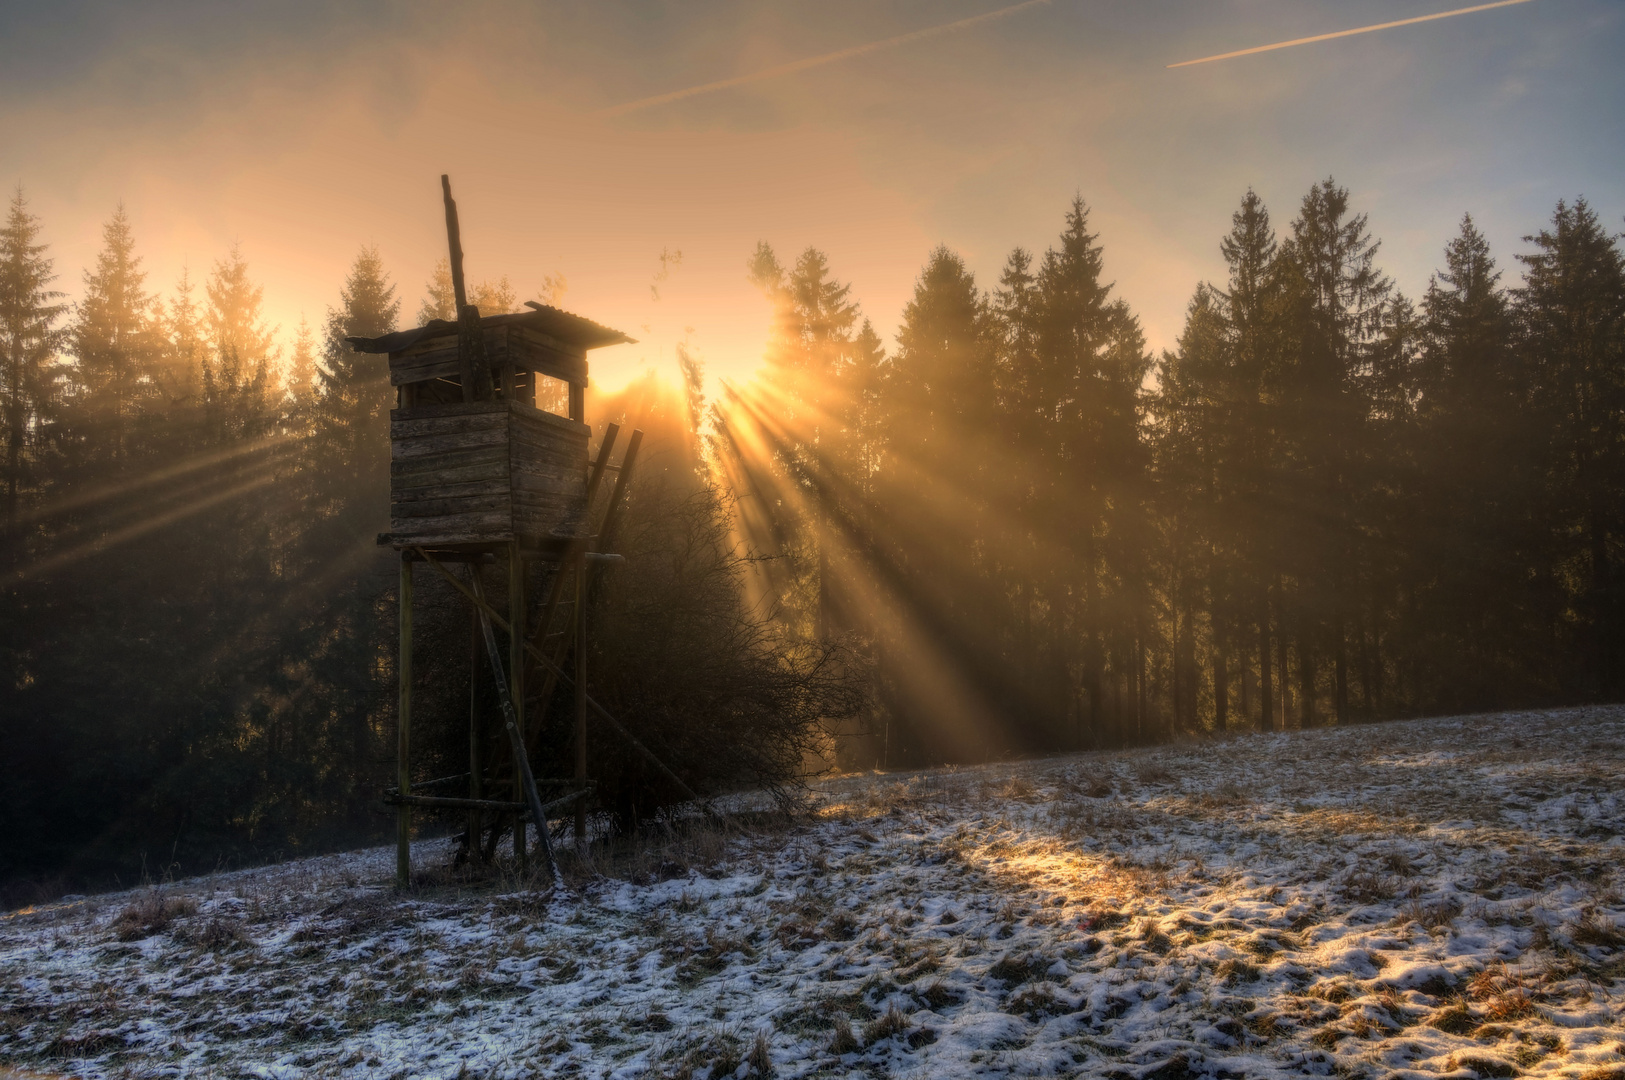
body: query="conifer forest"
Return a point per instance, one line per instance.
(1010, 529)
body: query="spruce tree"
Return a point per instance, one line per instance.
(1338, 301)
(116, 342)
(355, 394)
(1090, 365)
(180, 370)
(1572, 306)
(29, 309)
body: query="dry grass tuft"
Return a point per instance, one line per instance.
(1013, 970)
(1454, 1019)
(843, 1042)
(1430, 916)
(216, 934)
(1370, 886)
(1234, 971)
(1096, 787)
(1018, 789)
(1481, 1064)
(760, 1058)
(891, 1022)
(151, 913)
(1595, 928)
(1153, 772)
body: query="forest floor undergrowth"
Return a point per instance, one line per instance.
(1439, 897)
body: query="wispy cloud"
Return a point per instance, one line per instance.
(1349, 33)
(819, 61)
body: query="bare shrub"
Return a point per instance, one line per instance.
(720, 690)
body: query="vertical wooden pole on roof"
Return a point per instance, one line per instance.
(581, 700)
(403, 729)
(474, 372)
(474, 823)
(516, 677)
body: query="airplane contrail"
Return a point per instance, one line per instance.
(819, 61)
(1349, 33)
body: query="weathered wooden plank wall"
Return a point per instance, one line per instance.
(484, 472)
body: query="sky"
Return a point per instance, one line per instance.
(302, 131)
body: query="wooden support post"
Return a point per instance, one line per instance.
(474, 822)
(477, 598)
(522, 774)
(578, 403)
(403, 729)
(516, 672)
(581, 700)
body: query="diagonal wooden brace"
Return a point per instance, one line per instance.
(538, 812)
(489, 616)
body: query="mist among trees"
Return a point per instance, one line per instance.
(1014, 528)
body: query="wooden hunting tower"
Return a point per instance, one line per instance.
(490, 466)
(500, 470)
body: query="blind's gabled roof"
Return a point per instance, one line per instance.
(554, 322)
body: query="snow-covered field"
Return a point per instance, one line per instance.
(1441, 897)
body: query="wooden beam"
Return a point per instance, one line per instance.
(445, 802)
(454, 243)
(516, 667)
(594, 478)
(403, 729)
(523, 809)
(521, 758)
(597, 709)
(475, 824)
(581, 700)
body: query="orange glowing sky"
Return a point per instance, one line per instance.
(302, 133)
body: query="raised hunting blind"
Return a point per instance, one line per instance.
(506, 468)
(491, 465)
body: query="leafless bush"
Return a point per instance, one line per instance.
(719, 690)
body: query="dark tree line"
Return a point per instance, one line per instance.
(194, 626)
(1327, 504)
(197, 626)
(1014, 528)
